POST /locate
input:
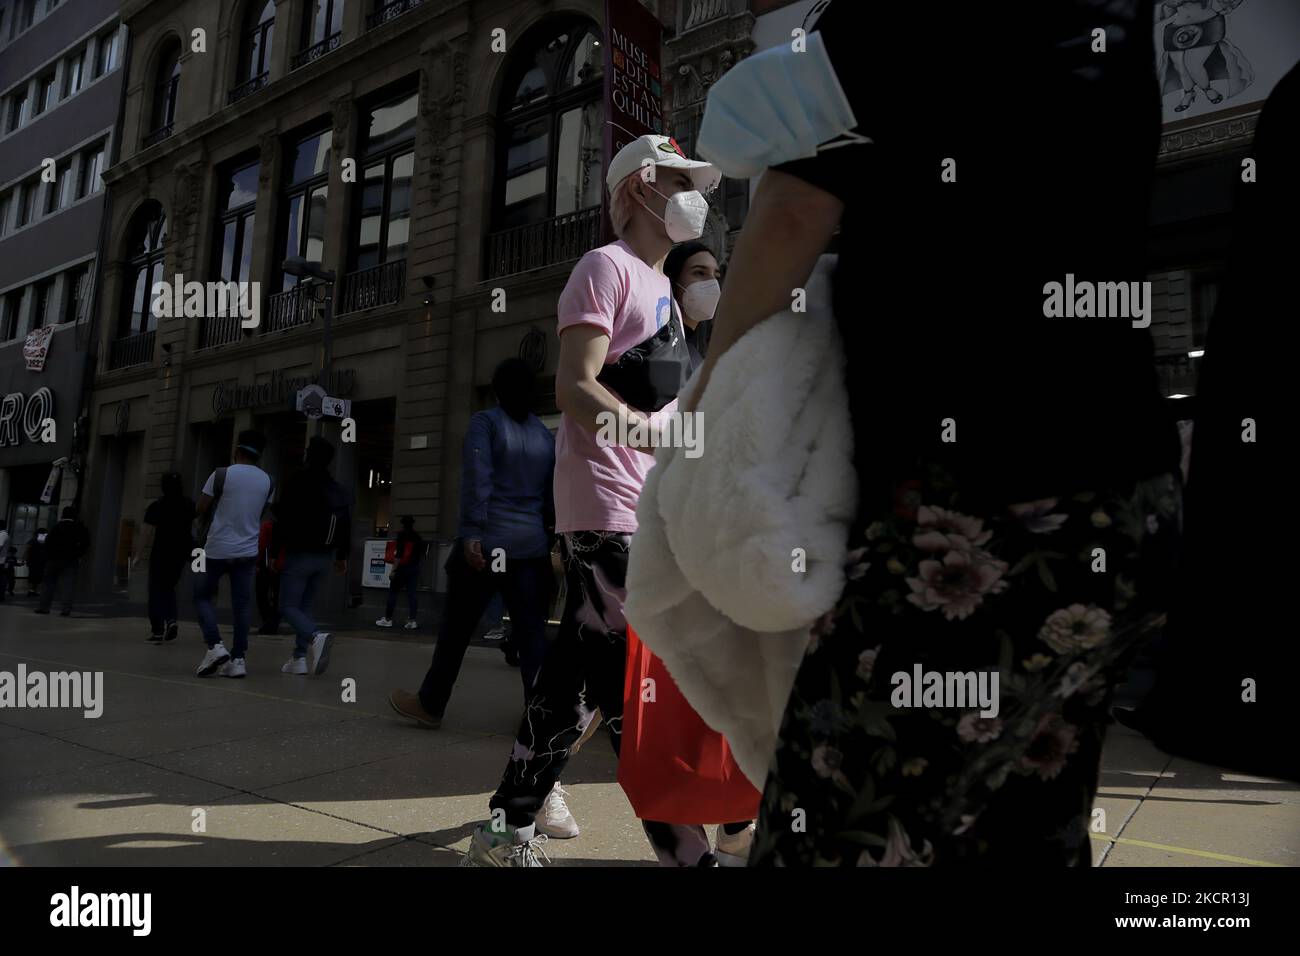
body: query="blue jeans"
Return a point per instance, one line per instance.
(206, 585)
(406, 578)
(303, 573)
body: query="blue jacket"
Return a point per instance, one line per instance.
(505, 485)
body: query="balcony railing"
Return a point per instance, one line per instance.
(380, 285)
(131, 350)
(315, 52)
(220, 330)
(296, 307)
(158, 135)
(390, 11)
(248, 88)
(544, 243)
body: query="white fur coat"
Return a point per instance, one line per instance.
(714, 582)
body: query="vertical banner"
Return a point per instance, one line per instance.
(633, 89)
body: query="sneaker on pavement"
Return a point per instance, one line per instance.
(318, 652)
(212, 661)
(294, 665)
(234, 668)
(172, 629)
(411, 625)
(155, 638)
(384, 622)
(554, 819)
(408, 705)
(496, 634)
(511, 849)
(733, 848)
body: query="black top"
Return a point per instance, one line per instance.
(939, 292)
(67, 541)
(171, 517)
(313, 515)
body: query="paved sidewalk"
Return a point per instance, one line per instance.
(286, 772)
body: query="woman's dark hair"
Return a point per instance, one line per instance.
(515, 385)
(676, 260)
(171, 484)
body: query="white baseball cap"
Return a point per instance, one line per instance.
(661, 151)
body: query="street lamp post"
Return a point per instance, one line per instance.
(302, 269)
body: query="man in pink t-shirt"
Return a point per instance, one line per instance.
(617, 301)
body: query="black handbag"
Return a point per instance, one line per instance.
(650, 374)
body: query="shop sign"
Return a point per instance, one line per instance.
(279, 389)
(37, 347)
(24, 415)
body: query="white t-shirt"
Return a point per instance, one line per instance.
(239, 512)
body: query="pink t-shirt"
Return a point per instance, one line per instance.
(596, 488)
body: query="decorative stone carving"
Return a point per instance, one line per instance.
(341, 110)
(184, 206)
(266, 160)
(1209, 137)
(442, 86)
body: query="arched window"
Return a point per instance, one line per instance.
(144, 254)
(550, 136)
(255, 49)
(166, 90)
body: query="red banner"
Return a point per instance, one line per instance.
(633, 87)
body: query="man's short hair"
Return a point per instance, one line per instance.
(251, 443)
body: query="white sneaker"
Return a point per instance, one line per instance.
(554, 819)
(410, 625)
(733, 849)
(384, 622)
(234, 668)
(294, 665)
(318, 654)
(496, 634)
(490, 849)
(212, 661)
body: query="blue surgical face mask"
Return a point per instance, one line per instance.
(774, 107)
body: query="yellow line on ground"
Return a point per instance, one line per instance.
(1180, 849)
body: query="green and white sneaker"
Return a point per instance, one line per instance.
(516, 847)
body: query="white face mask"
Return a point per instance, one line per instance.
(684, 216)
(700, 300)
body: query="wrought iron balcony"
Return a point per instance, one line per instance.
(131, 350)
(220, 330)
(372, 288)
(158, 135)
(544, 243)
(294, 308)
(315, 52)
(248, 88)
(390, 11)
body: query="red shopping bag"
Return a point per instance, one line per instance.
(672, 766)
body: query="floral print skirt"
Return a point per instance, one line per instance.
(1053, 597)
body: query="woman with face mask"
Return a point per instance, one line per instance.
(695, 275)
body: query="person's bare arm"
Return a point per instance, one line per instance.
(203, 504)
(788, 226)
(583, 349)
